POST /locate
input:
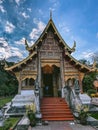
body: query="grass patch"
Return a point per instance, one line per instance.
(94, 115)
(10, 123)
(5, 100)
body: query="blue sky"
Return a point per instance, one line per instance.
(75, 20)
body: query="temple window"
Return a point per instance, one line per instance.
(31, 82)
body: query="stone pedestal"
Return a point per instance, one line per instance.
(25, 98)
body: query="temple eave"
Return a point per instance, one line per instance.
(21, 63)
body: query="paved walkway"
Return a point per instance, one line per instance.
(62, 125)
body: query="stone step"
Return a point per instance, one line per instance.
(55, 109)
(58, 119)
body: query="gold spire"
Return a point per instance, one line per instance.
(50, 13)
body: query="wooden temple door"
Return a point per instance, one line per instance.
(50, 82)
(48, 85)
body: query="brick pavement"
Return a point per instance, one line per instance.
(62, 125)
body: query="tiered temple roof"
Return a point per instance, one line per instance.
(67, 50)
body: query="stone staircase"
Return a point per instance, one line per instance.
(55, 109)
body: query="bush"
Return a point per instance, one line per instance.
(31, 116)
(94, 95)
(88, 81)
(7, 125)
(91, 91)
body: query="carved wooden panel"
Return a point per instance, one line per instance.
(32, 66)
(27, 72)
(23, 77)
(50, 47)
(68, 67)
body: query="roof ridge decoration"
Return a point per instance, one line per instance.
(21, 62)
(50, 22)
(85, 66)
(74, 46)
(33, 48)
(51, 14)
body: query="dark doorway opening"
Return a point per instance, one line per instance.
(48, 85)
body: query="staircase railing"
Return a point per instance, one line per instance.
(72, 95)
(37, 101)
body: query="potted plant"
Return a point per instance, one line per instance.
(83, 114)
(30, 110)
(31, 116)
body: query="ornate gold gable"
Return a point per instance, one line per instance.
(47, 69)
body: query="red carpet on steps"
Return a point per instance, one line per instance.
(55, 109)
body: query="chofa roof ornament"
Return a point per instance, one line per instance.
(74, 47)
(26, 45)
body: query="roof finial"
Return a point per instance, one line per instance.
(50, 13)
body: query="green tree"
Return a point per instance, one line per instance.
(88, 81)
(8, 83)
(84, 61)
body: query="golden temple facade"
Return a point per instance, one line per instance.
(51, 61)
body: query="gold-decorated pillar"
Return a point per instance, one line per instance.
(39, 74)
(39, 69)
(62, 74)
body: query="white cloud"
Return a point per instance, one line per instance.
(9, 27)
(32, 42)
(6, 51)
(84, 55)
(54, 2)
(39, 24)
(17, 1)
(29, 9)
(2, 9)
(3, 42)
(36, 31)
(25, 15)
(1, 1)
(4, 48)
(34, 34)
(15, 52)
(55, 5)
(97, 35)
(40, 11)
(20, 42)
(64, 28)
(87, 54)
(52, 9)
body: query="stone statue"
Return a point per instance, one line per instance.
(36, 83)
(76, 87)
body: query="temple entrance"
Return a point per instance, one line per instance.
(48, 84)
(50, 80)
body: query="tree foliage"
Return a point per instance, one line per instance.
(94, 57)
(8, 83)
(88, 81)
(84, 61)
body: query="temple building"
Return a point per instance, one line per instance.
(50, 61)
